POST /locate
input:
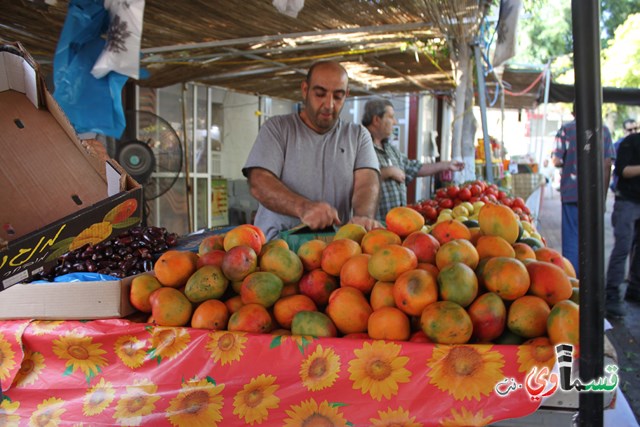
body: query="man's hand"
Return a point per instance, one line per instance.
(319, 215)
(276, 196)
(368, 223)
(455, 165)
(392, 172)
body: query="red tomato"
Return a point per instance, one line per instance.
(475, 189)
(464, 194)
(441, 193)
(431, 213)
(518, 202)
(502, 195)
(490, 192)
(452, 191)
(446, 203)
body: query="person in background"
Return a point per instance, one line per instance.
(396, 169)
(311, 167)
(626, 225)
(629, 126)
(565, 157)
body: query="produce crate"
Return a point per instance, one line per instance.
(523, 184)
(56, 195)
(296, 236)
(67, 300)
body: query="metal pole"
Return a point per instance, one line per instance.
(413, 26)
(483, 113)
(588, 100)
(547, 85)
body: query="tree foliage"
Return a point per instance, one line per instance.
(621, 64)
(614, 13)
(546, 31)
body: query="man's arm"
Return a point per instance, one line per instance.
(557, 158)
(607, 175)
(392, 172)
(631, 171)
(366, 191)
(429, 169)
(277, 197)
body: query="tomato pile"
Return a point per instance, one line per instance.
(472, 191)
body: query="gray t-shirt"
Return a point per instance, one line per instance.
(319, 167)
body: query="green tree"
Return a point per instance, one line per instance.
(614, 13)
(621, 63)
(546, 31)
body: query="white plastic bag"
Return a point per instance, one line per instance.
(507, 26)
(289, 7)
(121, 53)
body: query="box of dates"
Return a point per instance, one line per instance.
(56, 195)
(65, 291)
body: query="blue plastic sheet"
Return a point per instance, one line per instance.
(92, 105)
(79, 277)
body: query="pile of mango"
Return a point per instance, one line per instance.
(449, 283)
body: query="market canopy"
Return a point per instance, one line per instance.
(524, 89)
(387, 46)
(566, 93)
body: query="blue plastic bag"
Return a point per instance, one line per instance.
(79, 277)
(92, 105)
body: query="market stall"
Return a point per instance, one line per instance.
(116, 371)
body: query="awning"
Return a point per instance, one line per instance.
(614, 95)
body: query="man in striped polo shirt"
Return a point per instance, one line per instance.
(565, 157)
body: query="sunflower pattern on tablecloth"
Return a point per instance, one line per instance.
(11, 352)
(7, 359)
(138, 401)
(539, 353)
(320, 369)
(114, 372)
(256, 399)
(98, 398)
(30, 369)
(378, 369)
(79, 352)
(198, 403)
(466, 371)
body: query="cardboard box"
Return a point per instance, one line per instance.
(296, 236)
(67, 301)
(55, 195)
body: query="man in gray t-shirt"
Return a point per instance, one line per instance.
(312, 167)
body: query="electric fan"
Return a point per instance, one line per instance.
(151, 152)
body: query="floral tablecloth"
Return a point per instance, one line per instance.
(115, 372)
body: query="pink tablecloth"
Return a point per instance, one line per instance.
(115, 372)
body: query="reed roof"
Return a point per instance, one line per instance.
(388, 46)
